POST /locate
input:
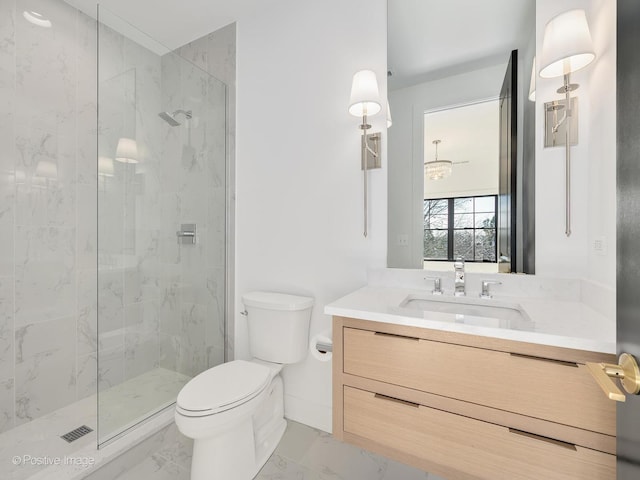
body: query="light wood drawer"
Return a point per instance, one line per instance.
(556, 391)
(471, 448)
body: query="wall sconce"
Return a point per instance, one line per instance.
(47, 169)
(127, 151)
(365, 101)
(566, 48)
(532, 82)
(389, 119)
(105, 167)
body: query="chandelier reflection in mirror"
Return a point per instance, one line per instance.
(437, 169)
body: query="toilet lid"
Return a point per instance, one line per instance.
(221, 387)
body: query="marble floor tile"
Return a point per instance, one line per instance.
(156, 468)
(297, 441)
(337, 460)
(432, 476)
(304, 453)
(281, 468)
(176, 448)
(307, 453)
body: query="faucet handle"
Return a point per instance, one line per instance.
(485, 288)
(437, 285)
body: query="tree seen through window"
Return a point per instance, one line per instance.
(460, 227)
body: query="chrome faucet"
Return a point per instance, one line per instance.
(485, 288)
(437, 285)
(458, 265)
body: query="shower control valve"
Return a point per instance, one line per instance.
(187, 234)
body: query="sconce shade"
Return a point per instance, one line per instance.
(532, 83)
(46, 169)
(389, 120)
(127, 151)
(567, 46)
(105, 167)
(365, 97)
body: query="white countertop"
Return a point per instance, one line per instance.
(568, 324)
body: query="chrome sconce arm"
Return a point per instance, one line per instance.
(370, 158)
(563, 132)
(567, 88)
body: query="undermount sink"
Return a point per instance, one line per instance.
(487, 313)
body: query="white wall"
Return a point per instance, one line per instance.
(593, 159)
(405, 151)
(602, 151)
(299, 187)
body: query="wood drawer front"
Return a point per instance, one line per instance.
(471, 447)
(554, 391)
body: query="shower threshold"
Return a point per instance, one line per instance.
(34, 450)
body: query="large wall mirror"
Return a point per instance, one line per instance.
(464, 130)
(471, 172)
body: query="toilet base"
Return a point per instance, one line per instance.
(242, 449)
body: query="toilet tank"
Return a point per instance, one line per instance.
(278, 326)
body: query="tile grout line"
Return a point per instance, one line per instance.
(168, 460)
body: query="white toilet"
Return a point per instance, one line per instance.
(235, 412)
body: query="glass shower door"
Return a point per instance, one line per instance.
(161, 224)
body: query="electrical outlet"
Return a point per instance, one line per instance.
(600, 246)
(403, 240)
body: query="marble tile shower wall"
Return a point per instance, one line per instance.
(47, 209)
(161, 303)
(215, 53)
(129, 222)
(158, 301)
(193, 191)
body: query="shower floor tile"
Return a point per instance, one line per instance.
(24, 446)
(130, 402)
(26, 449)
(304, 453)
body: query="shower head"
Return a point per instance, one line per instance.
(167, 117)
(170, 118)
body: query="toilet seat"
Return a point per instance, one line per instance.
(222, 388)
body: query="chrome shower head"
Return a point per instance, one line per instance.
(167, 117)
(170, 118)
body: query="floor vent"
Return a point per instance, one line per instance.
(74, 435)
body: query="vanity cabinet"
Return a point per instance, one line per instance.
(471, 407)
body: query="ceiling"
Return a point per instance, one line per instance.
(174, 23)
(429, 39)
(470, 139)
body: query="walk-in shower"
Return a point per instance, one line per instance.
(170, 118)
(104, 314)
(160, 300)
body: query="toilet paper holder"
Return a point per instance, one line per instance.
(324, 347)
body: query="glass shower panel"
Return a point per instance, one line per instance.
(162, 170)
